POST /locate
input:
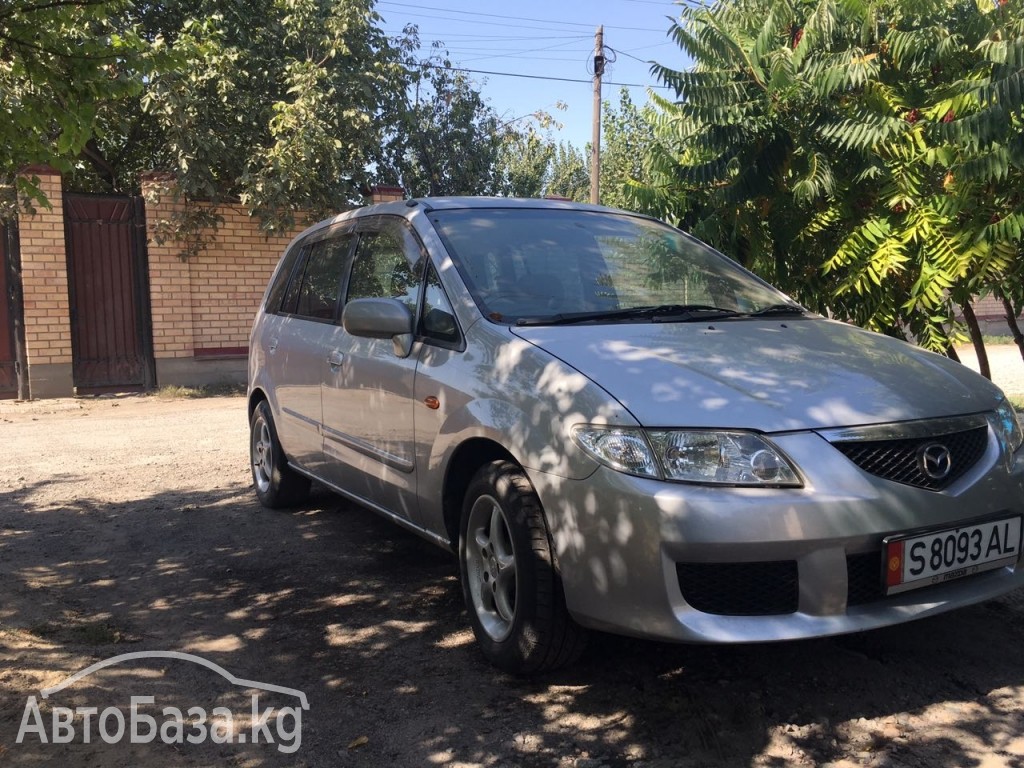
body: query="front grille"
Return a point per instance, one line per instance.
(740, 589)
(864, 578)
(898, 460)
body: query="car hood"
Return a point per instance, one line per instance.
(768, 375)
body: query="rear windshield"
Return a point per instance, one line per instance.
(523, 263)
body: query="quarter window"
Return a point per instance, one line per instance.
(438, 323)
(281, 281)
(291, 295)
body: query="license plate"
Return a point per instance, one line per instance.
(914, 561)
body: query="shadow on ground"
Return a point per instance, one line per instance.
(367, 621)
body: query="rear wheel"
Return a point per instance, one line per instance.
(277, 485)
(511, 587)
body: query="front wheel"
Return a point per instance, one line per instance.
(509, 581)
(277, 485)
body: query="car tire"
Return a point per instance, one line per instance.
(277, 485)
(509, 579)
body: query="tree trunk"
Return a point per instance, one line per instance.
(979, 345)
(1011, 320)
(951, 353)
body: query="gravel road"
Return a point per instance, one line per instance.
(128, 524)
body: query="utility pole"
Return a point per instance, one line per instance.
(595, 142)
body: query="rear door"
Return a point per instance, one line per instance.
(298, 342)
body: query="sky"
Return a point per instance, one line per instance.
(532, 42)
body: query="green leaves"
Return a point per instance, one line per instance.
(286, 115)
(864, 132)
(874, 172)
(283, 104)
(60, 63)
(818, 181)
(627, 140)
(447, 139)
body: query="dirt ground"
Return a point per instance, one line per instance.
(128, 524)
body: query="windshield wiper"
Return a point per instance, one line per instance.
(662, 313)
(779, 309)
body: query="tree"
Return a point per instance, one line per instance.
(627, 137)
(452, 142)
(448, 138)
(279, 104)
(857, 153)
(568, 174)
(61, 63)
(524, 162)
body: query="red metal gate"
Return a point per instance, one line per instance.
(9, 317)
(111, 344)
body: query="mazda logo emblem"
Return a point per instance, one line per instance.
(935, 461)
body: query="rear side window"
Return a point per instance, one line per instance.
(313, 293)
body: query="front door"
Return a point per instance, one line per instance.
(369, 434)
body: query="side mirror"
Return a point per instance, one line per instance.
(380, 319)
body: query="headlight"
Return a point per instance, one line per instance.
(1007, 426)
(690, 456)
(730, 458)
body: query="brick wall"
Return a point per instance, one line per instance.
(202, 308)
(44, 277)
(229, 281)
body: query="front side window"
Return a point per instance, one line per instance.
(388, 264)
(529, 263)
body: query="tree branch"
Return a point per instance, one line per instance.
(94, 156)
(59, 54)
(32, 8)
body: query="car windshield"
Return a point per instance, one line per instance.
(539, 266)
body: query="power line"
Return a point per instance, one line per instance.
(630, 55)
(547, 22)
(496, 38)
(542, 77)
(645, 47)
(502, 24)
(472, 59)
(518, 53)
(467, 58)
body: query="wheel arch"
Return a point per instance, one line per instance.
(256, 397)
(465, 462)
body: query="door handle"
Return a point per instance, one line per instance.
(272, 347)
(335, 359)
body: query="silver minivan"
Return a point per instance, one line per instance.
(615, 427)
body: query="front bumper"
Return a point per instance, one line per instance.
(620, 541)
